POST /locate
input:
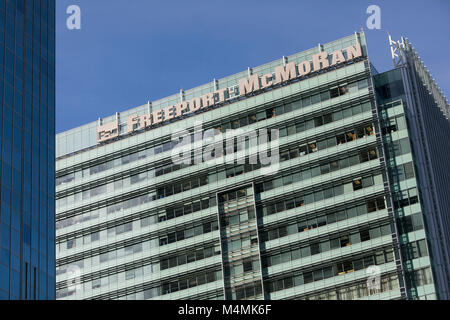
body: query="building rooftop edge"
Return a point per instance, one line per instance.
(198, 87)
(212, 86)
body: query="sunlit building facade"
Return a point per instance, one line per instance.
(341, 216)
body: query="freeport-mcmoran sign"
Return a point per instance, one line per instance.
(246, 86)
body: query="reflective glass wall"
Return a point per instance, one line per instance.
(27, 135)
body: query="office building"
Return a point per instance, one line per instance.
(336, 191)
(27, 128)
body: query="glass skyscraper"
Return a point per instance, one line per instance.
(27, 128)
(354, 208)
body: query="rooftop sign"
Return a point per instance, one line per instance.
(246, 86)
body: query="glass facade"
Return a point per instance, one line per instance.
(410, 101)
(27, 128)
(133, 224)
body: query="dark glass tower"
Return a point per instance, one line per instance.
(27, 128)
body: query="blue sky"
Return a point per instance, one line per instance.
(131, 51)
